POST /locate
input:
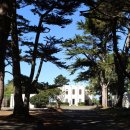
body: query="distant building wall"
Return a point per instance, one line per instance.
(73, 94)
(5, 102)
(125, 102)
(23, 95)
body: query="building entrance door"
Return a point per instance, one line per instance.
(73, 101)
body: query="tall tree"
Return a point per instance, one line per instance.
(118, 18)
(97, 29)
(60, 80)
(92, 60)
(9, 89)
(49, 12)
(18, 106)
(5, 21)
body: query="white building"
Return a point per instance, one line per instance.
(73, 94)
(126, 100)
(23, 95)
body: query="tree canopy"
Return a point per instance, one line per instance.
(60, 80)
(97, 54)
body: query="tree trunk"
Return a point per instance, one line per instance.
(119, 67)
(120, 90)
(26, 101)
(27, 89)
(27, 92)
(34, 56)
(18, 102)
(104, 96)
(104, 86)
(4, 32)
(2, 67)
(1, 88)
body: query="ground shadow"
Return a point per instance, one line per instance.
(20, 123)
(68, 120)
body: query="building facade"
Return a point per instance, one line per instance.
(125, 100)
(73, 94)
(23, 95)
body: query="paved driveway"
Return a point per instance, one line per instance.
(70, 119)
(78, 107)
(84, 120)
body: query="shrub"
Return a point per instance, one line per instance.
(81, 103)
(65, 103)
(39, 100)
(95, 101)
(42, 99)
(53, 103)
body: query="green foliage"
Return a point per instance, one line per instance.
(60, 80)
(43, 98)
(104, 20)
(50, 12)
(9, 89)
(94, 87)
(95, 101)
(92, 54)
(81, 103)
(53, 93)
(46, 52)
(40, 99)
(65, 104)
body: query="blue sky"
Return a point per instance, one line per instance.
(50, 71)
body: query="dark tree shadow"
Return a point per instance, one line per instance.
(68, 120)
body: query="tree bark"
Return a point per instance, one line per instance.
(27, 89)
(18, 102)
(4, 32)
(104, 96)
(1, 88)
(33, 64)
(39, 69)
(104, 87)
(2, 68)
(120, 90)
(119, 66)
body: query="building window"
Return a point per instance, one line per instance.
(73, 91)
(73, 101)
(66, 91)
(80, 91)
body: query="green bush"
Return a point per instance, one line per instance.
(42, 99)
(39, 100)
(81, 103)
(95, 101)
(53, 103)
(65, 103)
